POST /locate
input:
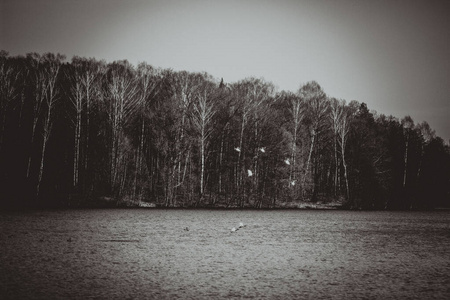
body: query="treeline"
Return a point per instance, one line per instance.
(86, 132)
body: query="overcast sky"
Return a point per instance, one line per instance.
(393, 55)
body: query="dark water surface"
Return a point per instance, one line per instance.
(147, 254)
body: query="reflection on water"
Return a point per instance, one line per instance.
(148, 254)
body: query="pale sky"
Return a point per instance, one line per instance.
(393, 55)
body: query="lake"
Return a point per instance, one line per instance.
(291, 254)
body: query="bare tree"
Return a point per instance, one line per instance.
(202, 118)
(50, 71)
(261, 94)
(90, 79)
(253, 95)
(296, 111)
(240, 91)
(317, 107)
(148, 83)
(336, 112)
(184, 87)
(121, 104)
(77, 97)
(408, 126)
(85, 89)
(427, 135)
(39, 82)
(343, 129)
(9, 89)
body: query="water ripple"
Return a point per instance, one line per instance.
(148, 254)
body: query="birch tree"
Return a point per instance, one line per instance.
(427, 135)
(241, 92)
(38, 80)
(336, 112)
(77, 97)
(263, 95)
(343, 121)
(85, 77)
(202, 118)
(50, 71)
(148, 84)
(9, 89)
(184, 87)
(252, 96)
(317, 107)
(121, 104)
(296, 110)
(408, 125)
(93, 72)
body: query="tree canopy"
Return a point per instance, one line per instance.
(90, 133)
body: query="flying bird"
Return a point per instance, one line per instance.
(237, 149)
(250, 173)
(286, 161)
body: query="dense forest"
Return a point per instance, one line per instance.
(91, 133)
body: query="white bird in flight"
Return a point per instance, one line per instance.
(262, 150)
(250, 173)
(237, 149)
(287, 161)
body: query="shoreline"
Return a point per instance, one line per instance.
(301, 206)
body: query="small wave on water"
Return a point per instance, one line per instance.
(149, 254)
